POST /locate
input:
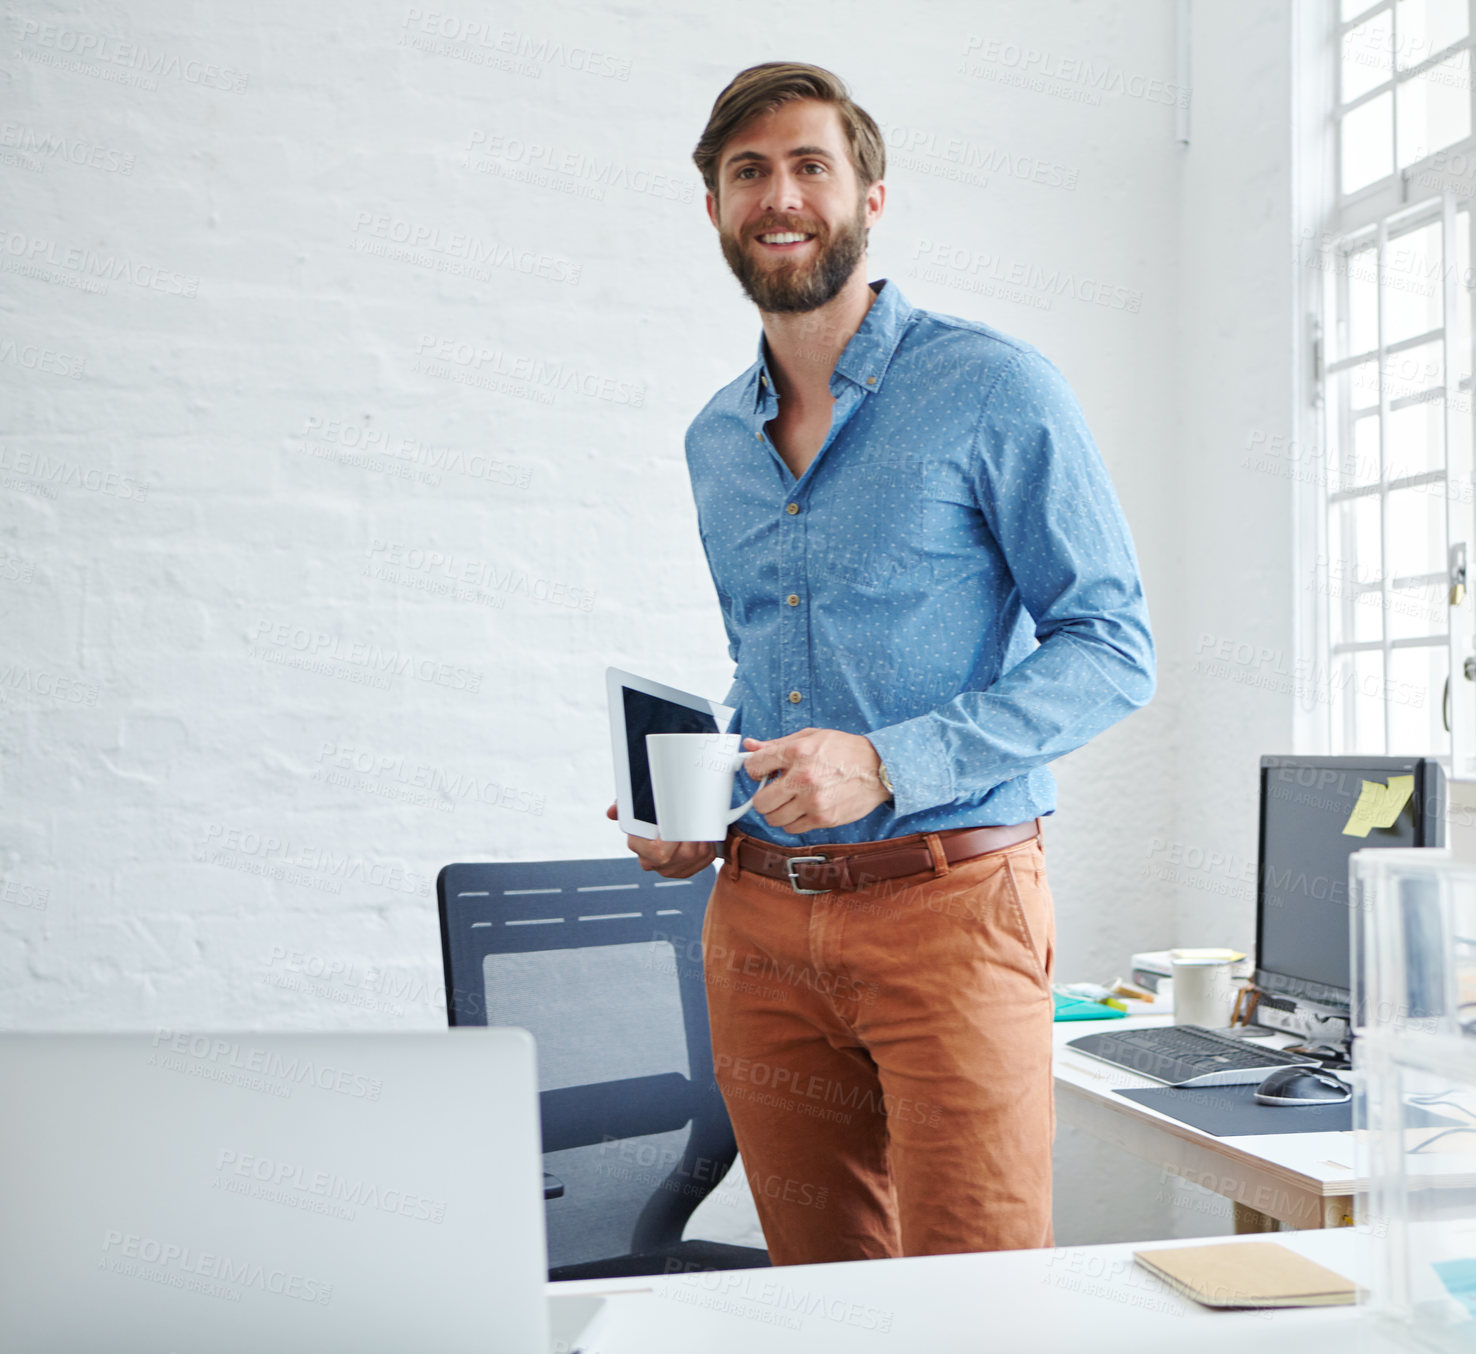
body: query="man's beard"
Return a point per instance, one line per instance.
(794, 286)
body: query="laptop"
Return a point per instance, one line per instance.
(299, 1193)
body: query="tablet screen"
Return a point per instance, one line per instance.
(645, 714)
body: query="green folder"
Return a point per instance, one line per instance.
(1078, 1008)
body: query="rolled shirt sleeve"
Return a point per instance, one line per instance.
(1046, 497)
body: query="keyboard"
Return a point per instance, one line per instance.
(1188, 1055)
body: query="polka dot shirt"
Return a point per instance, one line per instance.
(952, 575)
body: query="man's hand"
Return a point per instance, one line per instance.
(828, 778)
(675, 860)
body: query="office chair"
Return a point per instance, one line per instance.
(602, 961)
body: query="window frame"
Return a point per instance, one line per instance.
(1338, 226)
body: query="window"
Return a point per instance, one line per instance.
(1393, 381)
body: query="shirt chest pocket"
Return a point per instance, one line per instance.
(871, 531)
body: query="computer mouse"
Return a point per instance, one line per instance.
(1301, 1086)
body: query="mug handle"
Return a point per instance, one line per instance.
(740, 761)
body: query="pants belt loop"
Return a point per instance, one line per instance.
(940, 861)
(731, 868)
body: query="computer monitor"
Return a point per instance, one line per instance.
(1302, 902)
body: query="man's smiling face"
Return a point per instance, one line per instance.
(793, 218)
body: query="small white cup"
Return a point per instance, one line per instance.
(1204, 989)
(692, 784)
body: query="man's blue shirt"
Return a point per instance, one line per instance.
(952, 576)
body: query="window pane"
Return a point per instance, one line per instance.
(1427, 27)
(1353, 8)
(1363, 386)
(1416, 543)
(1412, 285)
(1418, 609)
(1367, 57)
(1363, 302)
(1367, 615)
(1415, 370)
(1355, 603)
(1355, 543)
(1340, 696)
(1365, 539)
(1460, 450)
(1368, 702)
(1416, 439)
(1364, 467)
(1463, 297)
(1435, 109)
(1416, 686)
(1368, 144)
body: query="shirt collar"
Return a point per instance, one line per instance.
(866, 357)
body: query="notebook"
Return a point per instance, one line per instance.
(1079, 1008)
(1247, 1274)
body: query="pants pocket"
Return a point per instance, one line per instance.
(1033, 913)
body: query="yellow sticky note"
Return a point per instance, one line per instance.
(1395, 798)
(1378, 805)
(1370, 801)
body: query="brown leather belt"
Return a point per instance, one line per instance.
(839, 870)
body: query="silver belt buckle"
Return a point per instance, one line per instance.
(789, 864)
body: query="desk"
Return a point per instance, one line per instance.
(1305, 1180)
(1085, 1298)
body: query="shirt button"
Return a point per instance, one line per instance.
(871, 380)
(759, 435)
(791, 508)
(763, 380)
(793, 599)
(795, 698)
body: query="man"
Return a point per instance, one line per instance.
(930, 592)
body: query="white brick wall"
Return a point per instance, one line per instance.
(262, 455)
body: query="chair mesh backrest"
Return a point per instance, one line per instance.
(602, 962)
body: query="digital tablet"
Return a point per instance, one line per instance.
(639, 706)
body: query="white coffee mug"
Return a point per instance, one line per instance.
(692, 783)
(1204, 989)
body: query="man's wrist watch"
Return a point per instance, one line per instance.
(886, 780)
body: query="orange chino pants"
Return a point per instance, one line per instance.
(885, 1055)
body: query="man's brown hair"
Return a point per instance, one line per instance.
(764, 88)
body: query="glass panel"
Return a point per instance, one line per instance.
(1367, 57)
(1416, 542)
(1364, 468)
(1333, 424)
(1368, 143)
(1460, 451)
(1362, 612)
(1341, 697)
(1416, 688)
(1354, 601)
(1363, 302)
(1416, 439)
(1365, 554)
(1367, 698)
(1363, 386)
(1427, 27)
(1435, 109)
(1412, 284)
(1463, 297)
(1415, 370)
(1418, 609)
(1368, 615)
